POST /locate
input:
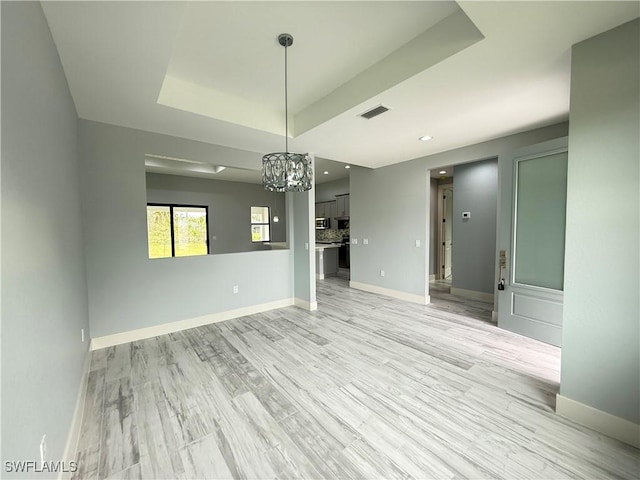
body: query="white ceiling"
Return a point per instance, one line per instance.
(462, 72)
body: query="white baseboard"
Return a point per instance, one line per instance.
(432, 277)
(472, 294)
(73, 438)
(163, 329)
(322, 276)
(409, 297)
(303, 304)
(603, 422)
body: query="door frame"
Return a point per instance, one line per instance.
(440, 240)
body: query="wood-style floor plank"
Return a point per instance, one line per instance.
(367, 387)
(119, 447)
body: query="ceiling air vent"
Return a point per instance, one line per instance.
(374, 112)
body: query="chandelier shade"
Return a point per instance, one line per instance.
(284, 171)
(287, 172)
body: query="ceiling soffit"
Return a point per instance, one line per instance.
(443, 40)
(344, 54)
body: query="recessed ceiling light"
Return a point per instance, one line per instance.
(442, 172)
(425, 138)
(347, 166)
(326, 173)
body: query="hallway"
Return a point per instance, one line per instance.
(442, 299)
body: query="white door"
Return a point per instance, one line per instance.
(531, 240)
(447, 242)
(445, 219)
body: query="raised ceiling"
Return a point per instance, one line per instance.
(205, 168)
(462, 72)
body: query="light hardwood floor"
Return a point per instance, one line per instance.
(366, 387)
(442, 299)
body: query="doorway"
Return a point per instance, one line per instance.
(466, 201)
(445, 231)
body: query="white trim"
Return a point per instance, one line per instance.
(603, 422)
(319, 276)
(305, 305)
(163, 329)
(71, 447)
(432, 277)
(472, 294)
(409, 297)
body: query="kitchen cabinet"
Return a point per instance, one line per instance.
(330, 211)
(326, 210)
(342, 205)
(326, 260)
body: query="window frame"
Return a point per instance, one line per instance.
(171, 226)
(268, 223)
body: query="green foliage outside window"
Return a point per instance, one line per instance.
(260, 226)
(190, 231)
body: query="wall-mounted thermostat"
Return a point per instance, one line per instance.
(466, 214)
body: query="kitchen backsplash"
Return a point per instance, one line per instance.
(331, 235)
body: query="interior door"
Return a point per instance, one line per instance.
(531, 240)
(447, 241)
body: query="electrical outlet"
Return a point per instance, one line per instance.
(235, 289)
(306, 246)
(417, 243)
(382, 273)
(354, 241)
(82, 334)
(365, 241)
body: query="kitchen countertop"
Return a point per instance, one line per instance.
(277, 245)
(324, 246)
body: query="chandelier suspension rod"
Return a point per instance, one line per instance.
(286, 102)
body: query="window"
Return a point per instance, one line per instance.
(260, 227)
(177, 230)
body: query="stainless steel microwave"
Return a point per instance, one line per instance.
(322, 223)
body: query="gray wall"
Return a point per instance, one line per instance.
(127, 290)
(474, 239)
(600, 339)
(229, 208)
(44, 295)
(326, 192)
(391, 205)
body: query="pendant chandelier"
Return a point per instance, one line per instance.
(284, 171)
